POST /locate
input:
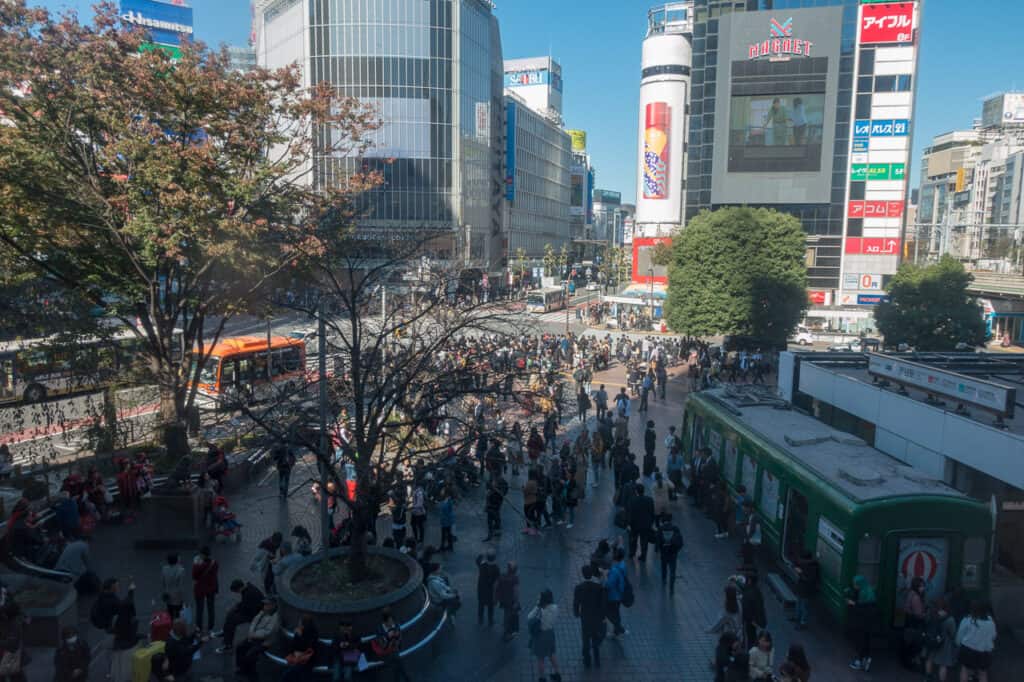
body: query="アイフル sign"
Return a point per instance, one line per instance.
(891, 22)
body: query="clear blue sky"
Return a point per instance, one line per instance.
(969, 50)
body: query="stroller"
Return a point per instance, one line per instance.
(225, 526)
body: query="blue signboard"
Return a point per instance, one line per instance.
(871, 299)
(861, 134)
(860, 144)
(900, 127)
(510, 151)
(888, 127)
(167, 22)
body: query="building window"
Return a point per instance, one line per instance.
(810, 257)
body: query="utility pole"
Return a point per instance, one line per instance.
(567, 307)
(325, 528)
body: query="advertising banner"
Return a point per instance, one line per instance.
(925, 558)
(510, 152)
(871, 246)
(483, 122)
(166, 22)
(816, 297)
(876, 208)
(892, 22)
(871, 299)
(657, 128)
(578, 139)
(890, 127)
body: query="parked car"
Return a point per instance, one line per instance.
(803, 337)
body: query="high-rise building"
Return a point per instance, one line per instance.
(433, 70)
(537, 160)
(608, 216)
(806, 106)
(243, 58)
(664, 104)
(581, 196)
(538, 81)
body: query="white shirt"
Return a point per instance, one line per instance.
(978, 634)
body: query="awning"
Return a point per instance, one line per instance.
(644, 291)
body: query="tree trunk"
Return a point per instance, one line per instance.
(172, 424)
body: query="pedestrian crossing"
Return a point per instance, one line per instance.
(556, 316)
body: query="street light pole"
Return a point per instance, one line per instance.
(567, 307)
(325, 528)
(650, 277)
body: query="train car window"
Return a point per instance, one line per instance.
(830, 560)
(869, 555)
(974, 557)
(731, 458)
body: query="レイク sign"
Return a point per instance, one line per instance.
(887, 23)
(781, 45)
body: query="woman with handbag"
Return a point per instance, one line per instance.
(302, 651)
(541, 625)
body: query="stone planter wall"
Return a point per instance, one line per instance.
(46, 622)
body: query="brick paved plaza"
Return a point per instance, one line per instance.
(667, 639)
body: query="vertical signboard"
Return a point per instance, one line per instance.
(657, 129)
(483, 122)
(510, 151)
(578, 139)
(891, 22)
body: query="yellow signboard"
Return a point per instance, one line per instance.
(579, 140)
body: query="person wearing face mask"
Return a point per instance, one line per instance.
(71, 661)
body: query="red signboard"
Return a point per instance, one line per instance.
(890, 22)
(816, 297)
(872, 246)
(874, 209)
(643, 249)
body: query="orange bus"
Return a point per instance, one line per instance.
(236, 368)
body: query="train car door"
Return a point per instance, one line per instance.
(794, 531)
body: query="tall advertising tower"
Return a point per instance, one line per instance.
(664, 96)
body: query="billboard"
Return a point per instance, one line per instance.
(578, 139)
(166, 22)
(510, 151)
(643, 250)
(518, 79)
(872, 246)
(776, 133)
(657, 132)
(1002, 109)
(483, 122)
(892, 22)
(577, 185)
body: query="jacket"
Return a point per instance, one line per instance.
(589, 603)
(615, 583)
(263, 626)
(69, 658)
(74, 559)
(179, 653)
(760, 663)
(641, 513)
(204, 576)
(172, 579)
(650, 440)
(487, 575)
(252, 601)
(752, 605)
(977, 633)
(506, 590)
(447, 513)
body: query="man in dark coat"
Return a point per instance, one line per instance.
(487, 575)
(641, 519)
(590, 604)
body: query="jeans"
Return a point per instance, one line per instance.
(247, 656)
(635, 536)
(493, 521)
(643, 399)
(232, 620)
(341, 672)
(803, 608)
(592, 636)
(510, 620)
(668, 569)
(283, 480)
(482, 606)
(419, 522)
(447, 539)
(206, 602)
(572, 513)
(615, 617)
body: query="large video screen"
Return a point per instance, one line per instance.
(775, 133)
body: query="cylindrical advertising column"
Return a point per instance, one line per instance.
(661, 172)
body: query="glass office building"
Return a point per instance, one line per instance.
(809, 177)
(433, 70)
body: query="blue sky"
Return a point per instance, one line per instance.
(968, 51)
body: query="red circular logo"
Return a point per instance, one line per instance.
(920, 564)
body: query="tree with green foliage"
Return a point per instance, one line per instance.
(738, 271)
(929, 308)
(175, 193)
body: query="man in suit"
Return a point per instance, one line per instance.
(641, 521)
(589, 604)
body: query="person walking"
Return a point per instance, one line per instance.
(646, 384)
(398, 519)
(601, 401)
(541, 620)
(419, 512)
(172, 582)
(284, 461)
(486, 579)
(862, 615)
(492, 506)
(205, 586)
(615, 583)
(446, 516)
(976, 638)
(582, 404)
(752, 608)
(807, 571)
(590, 605)
(641, 521)
(650, 443)
(506, 593)
(72, 658)
(668, 543)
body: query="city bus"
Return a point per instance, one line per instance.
(545, 300)
(32, 370)
(855, 508)
(236, 369)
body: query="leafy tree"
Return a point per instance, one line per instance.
(661, 254)
(930, 309)
(738, 271)
(550, 260)
(617, 264)
(181, 189)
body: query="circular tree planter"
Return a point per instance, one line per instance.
(327, 594)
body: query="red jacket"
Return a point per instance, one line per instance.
(205, 577)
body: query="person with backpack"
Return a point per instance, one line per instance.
(940, 641)
(668, 542)
(541, 622)
(620, 591)
(105, 609)
(589, 604)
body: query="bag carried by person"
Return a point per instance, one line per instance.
(10, 664)
(621, 518)
(300, 657)
(142, 661)
(533, 625)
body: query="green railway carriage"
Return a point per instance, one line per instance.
(855, 508)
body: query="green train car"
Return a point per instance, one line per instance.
(855, 508)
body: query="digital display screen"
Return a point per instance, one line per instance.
(776, 133)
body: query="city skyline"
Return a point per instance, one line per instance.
(602, 86)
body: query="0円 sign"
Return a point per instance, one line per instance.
(892, 22)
